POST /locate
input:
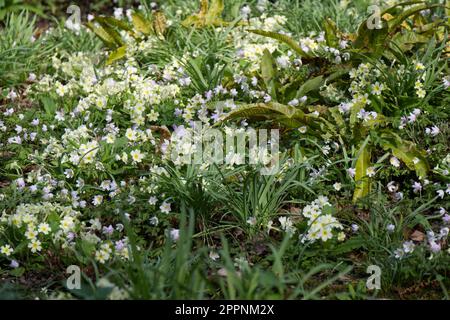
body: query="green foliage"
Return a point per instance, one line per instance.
(268, 73)
(205, 72)
(377, 41)
(20, 53)
(108, 30)
(362, 188)
(12, 6)
(283, 38)
(254, 282)
(271, 110)
(209, 15)
(260, 199)
(370, 44)
(86, 152)
(407, 152)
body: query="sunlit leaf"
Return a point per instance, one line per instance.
(141, 24)
(117, 55)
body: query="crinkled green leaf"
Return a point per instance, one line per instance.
(159, 23)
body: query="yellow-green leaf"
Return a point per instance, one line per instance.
(203, 7)
(117, 54)
(407, 152)
(159, 23)
(141, 24)
(214, 11)
(331, 33)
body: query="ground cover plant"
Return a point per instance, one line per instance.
(225, 149)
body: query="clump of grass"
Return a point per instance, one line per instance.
(21, 53)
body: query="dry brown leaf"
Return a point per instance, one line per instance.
(417, 236)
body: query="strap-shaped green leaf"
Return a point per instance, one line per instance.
(113, 22)
(261, 109)
(112, 34)
(283, 38)
(362, 188)
(103, 34)
(288, 116)
(310, 85)
(269, 73)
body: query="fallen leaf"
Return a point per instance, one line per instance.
(417, 236)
